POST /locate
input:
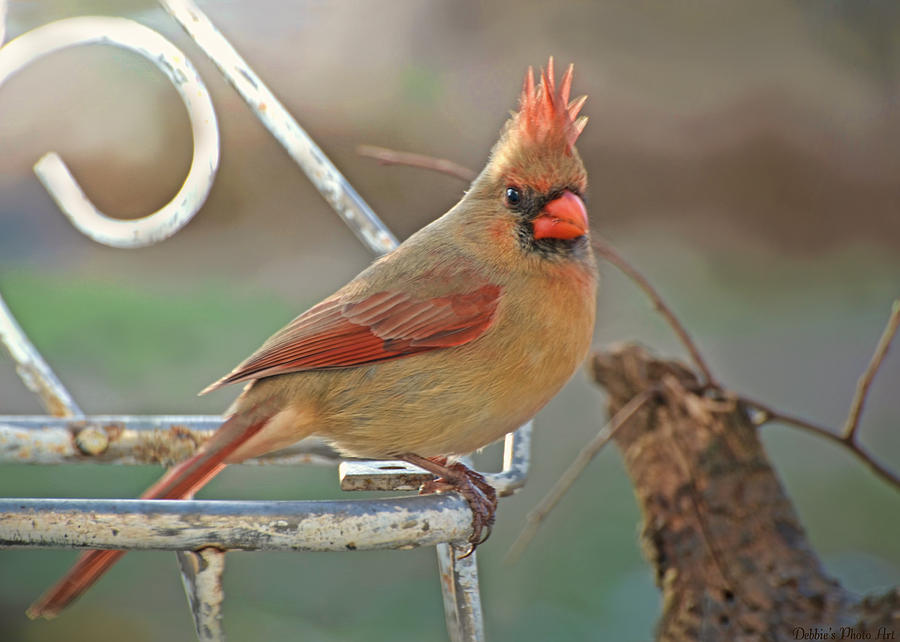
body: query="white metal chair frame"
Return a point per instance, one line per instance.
(202, 531)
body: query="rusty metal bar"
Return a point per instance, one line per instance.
(52, 171)
(462, 599)
(201, 574)
(145, 524)
(129, 439)
(336, 190)
(31, 367)
(164, 439)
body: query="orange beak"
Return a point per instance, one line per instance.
(562, 218)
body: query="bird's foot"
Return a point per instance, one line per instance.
(475, 489)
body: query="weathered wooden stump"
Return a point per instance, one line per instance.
(729, 553)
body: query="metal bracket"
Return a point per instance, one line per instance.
(201, 574)
(459, 584)
(381, 475)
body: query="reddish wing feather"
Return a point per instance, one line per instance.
(383, 326)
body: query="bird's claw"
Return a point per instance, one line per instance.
(475, 489)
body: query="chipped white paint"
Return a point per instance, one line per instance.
(381, 475)
(129, 439)
(334, 188)
(201, 575)
(462, 599)
(32, 369)
(52, 171)
(142, 524)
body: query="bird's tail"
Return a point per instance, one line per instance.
(180, 482)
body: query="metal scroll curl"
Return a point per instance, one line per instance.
(52, 171)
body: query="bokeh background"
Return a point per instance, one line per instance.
(744, 155)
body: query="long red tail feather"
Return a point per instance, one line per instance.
(180, 482)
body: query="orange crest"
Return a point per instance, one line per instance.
(545, 114)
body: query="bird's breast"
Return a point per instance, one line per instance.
(456, 400)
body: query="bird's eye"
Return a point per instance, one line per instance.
(513, 196)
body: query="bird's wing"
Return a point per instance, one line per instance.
(386, 325)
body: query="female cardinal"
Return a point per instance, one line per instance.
(455, 338)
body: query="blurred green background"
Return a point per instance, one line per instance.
(744, 155)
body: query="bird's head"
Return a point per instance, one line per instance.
(534, 183)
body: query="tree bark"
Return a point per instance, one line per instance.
(729, 553)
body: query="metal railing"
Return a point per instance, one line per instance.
(202, 531)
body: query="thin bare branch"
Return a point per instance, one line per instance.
(847, 438)
(865, 380)
(850, 443)
(605, 250)
(387, 156)
(540, 512)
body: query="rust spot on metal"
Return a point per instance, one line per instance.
(447, 577)
(92, 441)
(182, 431)
(113, 431)
(166, 446)
(37, 382)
